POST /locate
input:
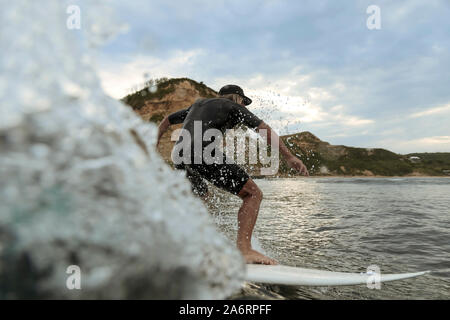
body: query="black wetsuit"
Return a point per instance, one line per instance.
(221, 114)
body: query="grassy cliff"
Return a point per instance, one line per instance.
(160, 88)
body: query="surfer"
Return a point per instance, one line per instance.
(223, 113)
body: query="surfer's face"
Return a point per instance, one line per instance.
(241, 101)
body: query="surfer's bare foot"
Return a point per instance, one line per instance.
(251, 256)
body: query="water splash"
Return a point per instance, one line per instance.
(81, 182)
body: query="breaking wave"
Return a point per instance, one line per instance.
(80, 180)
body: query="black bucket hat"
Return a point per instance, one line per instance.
(231, 88)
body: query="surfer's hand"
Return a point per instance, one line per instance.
(298, 165)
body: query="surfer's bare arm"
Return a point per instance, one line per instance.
(173, 118)
(292, 161)
(163, 126)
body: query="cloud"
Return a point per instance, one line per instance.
(290, 100)
(117, 79)
(431, 111)
(313, 65)
(425, 144)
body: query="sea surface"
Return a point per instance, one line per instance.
(348, 224)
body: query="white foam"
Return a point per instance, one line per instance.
(80, 175)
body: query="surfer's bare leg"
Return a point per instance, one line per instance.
(252, 197)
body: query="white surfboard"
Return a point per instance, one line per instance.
(286, 275)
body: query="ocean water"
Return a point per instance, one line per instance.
(349, 224)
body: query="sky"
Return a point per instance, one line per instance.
(308, 65)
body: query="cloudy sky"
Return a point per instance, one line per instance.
(308, 65)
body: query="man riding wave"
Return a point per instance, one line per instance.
(222, 113)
